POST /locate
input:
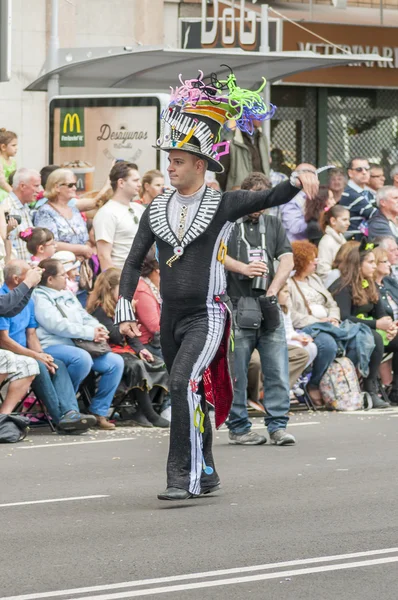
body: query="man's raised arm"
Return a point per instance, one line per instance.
(241, 203)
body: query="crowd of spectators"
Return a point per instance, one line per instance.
(331, 263)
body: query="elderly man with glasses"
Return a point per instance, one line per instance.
(358, 198)
(385, 221)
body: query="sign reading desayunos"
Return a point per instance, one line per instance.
(88, 139)
(351, 38)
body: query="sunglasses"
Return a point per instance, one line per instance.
(376, 176)
(69, 185)
(361, 169)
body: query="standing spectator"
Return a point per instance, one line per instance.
(358, 198)
(8, 164)
(394, 175)
(253, 247)
(25, 189)
(152, 185)
(385, 221)
(62, 318)
(116, 223)
(314, 210)
(53, 384)
(337, 183)
(278, 162)
(334, 223)
(247, 153)
(65, 221)
(377, 177)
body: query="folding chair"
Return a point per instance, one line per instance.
(37, 401)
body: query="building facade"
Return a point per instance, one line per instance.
(323, 116)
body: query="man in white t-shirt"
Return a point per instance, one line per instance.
(116, 223)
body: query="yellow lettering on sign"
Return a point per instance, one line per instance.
(72, 120)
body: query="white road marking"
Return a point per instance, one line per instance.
(50, 500)
(127, 439)
(240, 580)
(206, 574)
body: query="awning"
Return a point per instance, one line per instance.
(144, 68)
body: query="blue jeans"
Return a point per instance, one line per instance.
(327, 352)
(79, 364)
(272, 348)
(56, 391)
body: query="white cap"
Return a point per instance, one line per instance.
(68, 259)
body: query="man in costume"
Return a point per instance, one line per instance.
(191, 226)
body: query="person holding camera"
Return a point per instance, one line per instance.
(253, 284)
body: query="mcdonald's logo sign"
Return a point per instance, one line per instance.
(72, 127)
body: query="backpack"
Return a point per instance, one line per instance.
(340, 387)
(13, 428)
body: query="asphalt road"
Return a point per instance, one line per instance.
(314, 521)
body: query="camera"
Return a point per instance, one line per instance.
(259, 283)
(18, 218)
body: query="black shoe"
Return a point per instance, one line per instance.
(138, 418)
(210, 490)
(161, 422)
(172, 493)
(370, 386)
(379, 402)
(393, 397)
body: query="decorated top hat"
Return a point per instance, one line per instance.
(198, 111)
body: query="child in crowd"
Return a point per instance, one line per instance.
(296, 341)
(40, 243)
(8, 164)
(334, 223)
(71, 266)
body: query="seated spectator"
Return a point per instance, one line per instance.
(152, 185)
(64, 221)
(314, 210)
(334, 223)
(337, 183)
(148, 304)
(388, 292)
(312, 303)
(377, 178)
(71, 267)
(40, 243)
(394, 175)
(301, 347)
(61, 319)
(316, 312)
(385, 221)
(116, 223)
(359, 301)
(18, 335)
(143, 373)
(20, 371)
(358, 198)
(389, 244)
(8, 164)
(25, 188)
(341, 256)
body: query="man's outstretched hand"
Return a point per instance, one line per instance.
(130, 329)
(309, 179)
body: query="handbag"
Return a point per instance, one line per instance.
(248, 314)
(13, 428)
(95, 349)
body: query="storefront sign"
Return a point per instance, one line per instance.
(88, 139)
(231, 23)
(351, 38)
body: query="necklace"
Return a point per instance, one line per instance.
(153, 289)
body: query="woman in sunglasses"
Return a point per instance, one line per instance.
(63, 220)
